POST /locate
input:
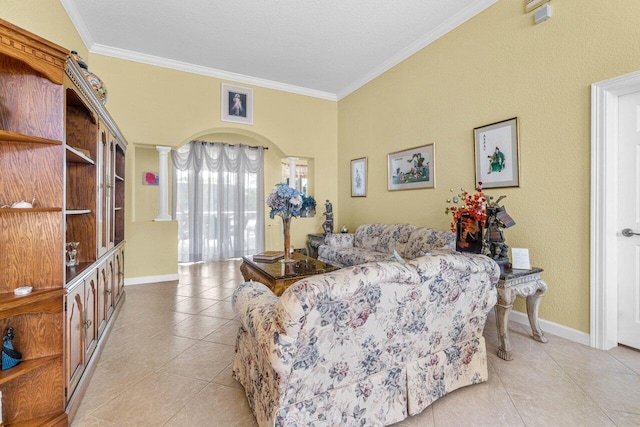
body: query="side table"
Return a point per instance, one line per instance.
(524, 283)
(313, 242)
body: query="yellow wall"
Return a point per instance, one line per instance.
(46, 18)
(158, 106)
(494, 67)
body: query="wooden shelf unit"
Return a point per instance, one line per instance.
(60, 149)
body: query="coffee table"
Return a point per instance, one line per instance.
(278, 276)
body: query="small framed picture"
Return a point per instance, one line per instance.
(237, 104)
(359, 177)
(496, 151)
(411, 169)
(150, 178)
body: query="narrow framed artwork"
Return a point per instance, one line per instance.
(496, 152)
(359, 177)
(237, 104)
(412, 168)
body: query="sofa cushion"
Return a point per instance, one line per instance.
(394, 237)
(346, 257)
(425, 240)
(368, 235)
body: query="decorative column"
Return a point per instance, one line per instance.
(163, 185)
(292, 171)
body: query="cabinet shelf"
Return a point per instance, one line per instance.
(25, 210)
(25, 367)
(119, 178)
(77, 211)
(76, 156)
(8, 136)
(73, 272)
(35, 302)
(117, 208)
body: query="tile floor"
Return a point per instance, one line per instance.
(168, 360)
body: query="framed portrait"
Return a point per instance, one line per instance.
(496, 152)
(359, 177)
(411, 169)
(237, 104)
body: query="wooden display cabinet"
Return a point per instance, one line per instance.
(61, 151)
(31, 160)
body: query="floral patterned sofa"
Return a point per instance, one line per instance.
(377, 242)
(364, 345)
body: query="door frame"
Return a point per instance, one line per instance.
(604, 209)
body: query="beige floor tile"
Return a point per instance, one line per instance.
(168, 361)
(150, 402)
(217, 293)
(216, 405)
(548, 411)
(567, 353)
(482, 404)
(222, 309)
(623, 419)
(108, 380)
(90, 421)
(204, 361)
(197, 326)
(423, 419)
(612, 391)
(191, 290)
(155, 351)
(226, 334)
(193, 305)
(627, 355)
(226, 378)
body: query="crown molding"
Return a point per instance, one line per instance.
(206, 71)
(447, 26)
(77, 22)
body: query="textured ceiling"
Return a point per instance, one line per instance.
(322, 48)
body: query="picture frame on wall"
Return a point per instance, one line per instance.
(237, 104)
(359, 177)
(496, 154)
(412, 169)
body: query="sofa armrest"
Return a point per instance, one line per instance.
(339, 241)
(257, 310)
(255, 306)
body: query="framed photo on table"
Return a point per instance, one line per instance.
(411, 169)
(237, 104)
(496, 152)
(359, 177)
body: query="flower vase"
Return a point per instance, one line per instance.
(286, 226)
(468, 235)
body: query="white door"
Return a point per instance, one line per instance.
(629, 219)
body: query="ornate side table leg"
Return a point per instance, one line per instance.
(503, 308)
(533, 301)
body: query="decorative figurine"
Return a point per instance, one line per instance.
(494, 245)
(10, 357)
(327, 225)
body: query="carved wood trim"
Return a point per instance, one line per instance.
(40, 54)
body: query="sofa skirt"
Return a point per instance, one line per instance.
(435, 375)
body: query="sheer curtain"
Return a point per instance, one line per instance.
(218, 200)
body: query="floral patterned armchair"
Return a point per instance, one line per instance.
(364, 345)
(377, 242)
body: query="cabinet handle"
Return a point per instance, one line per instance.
(87, 324)
(108, 291)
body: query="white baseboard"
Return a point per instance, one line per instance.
(150, 279)
(553, 328)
